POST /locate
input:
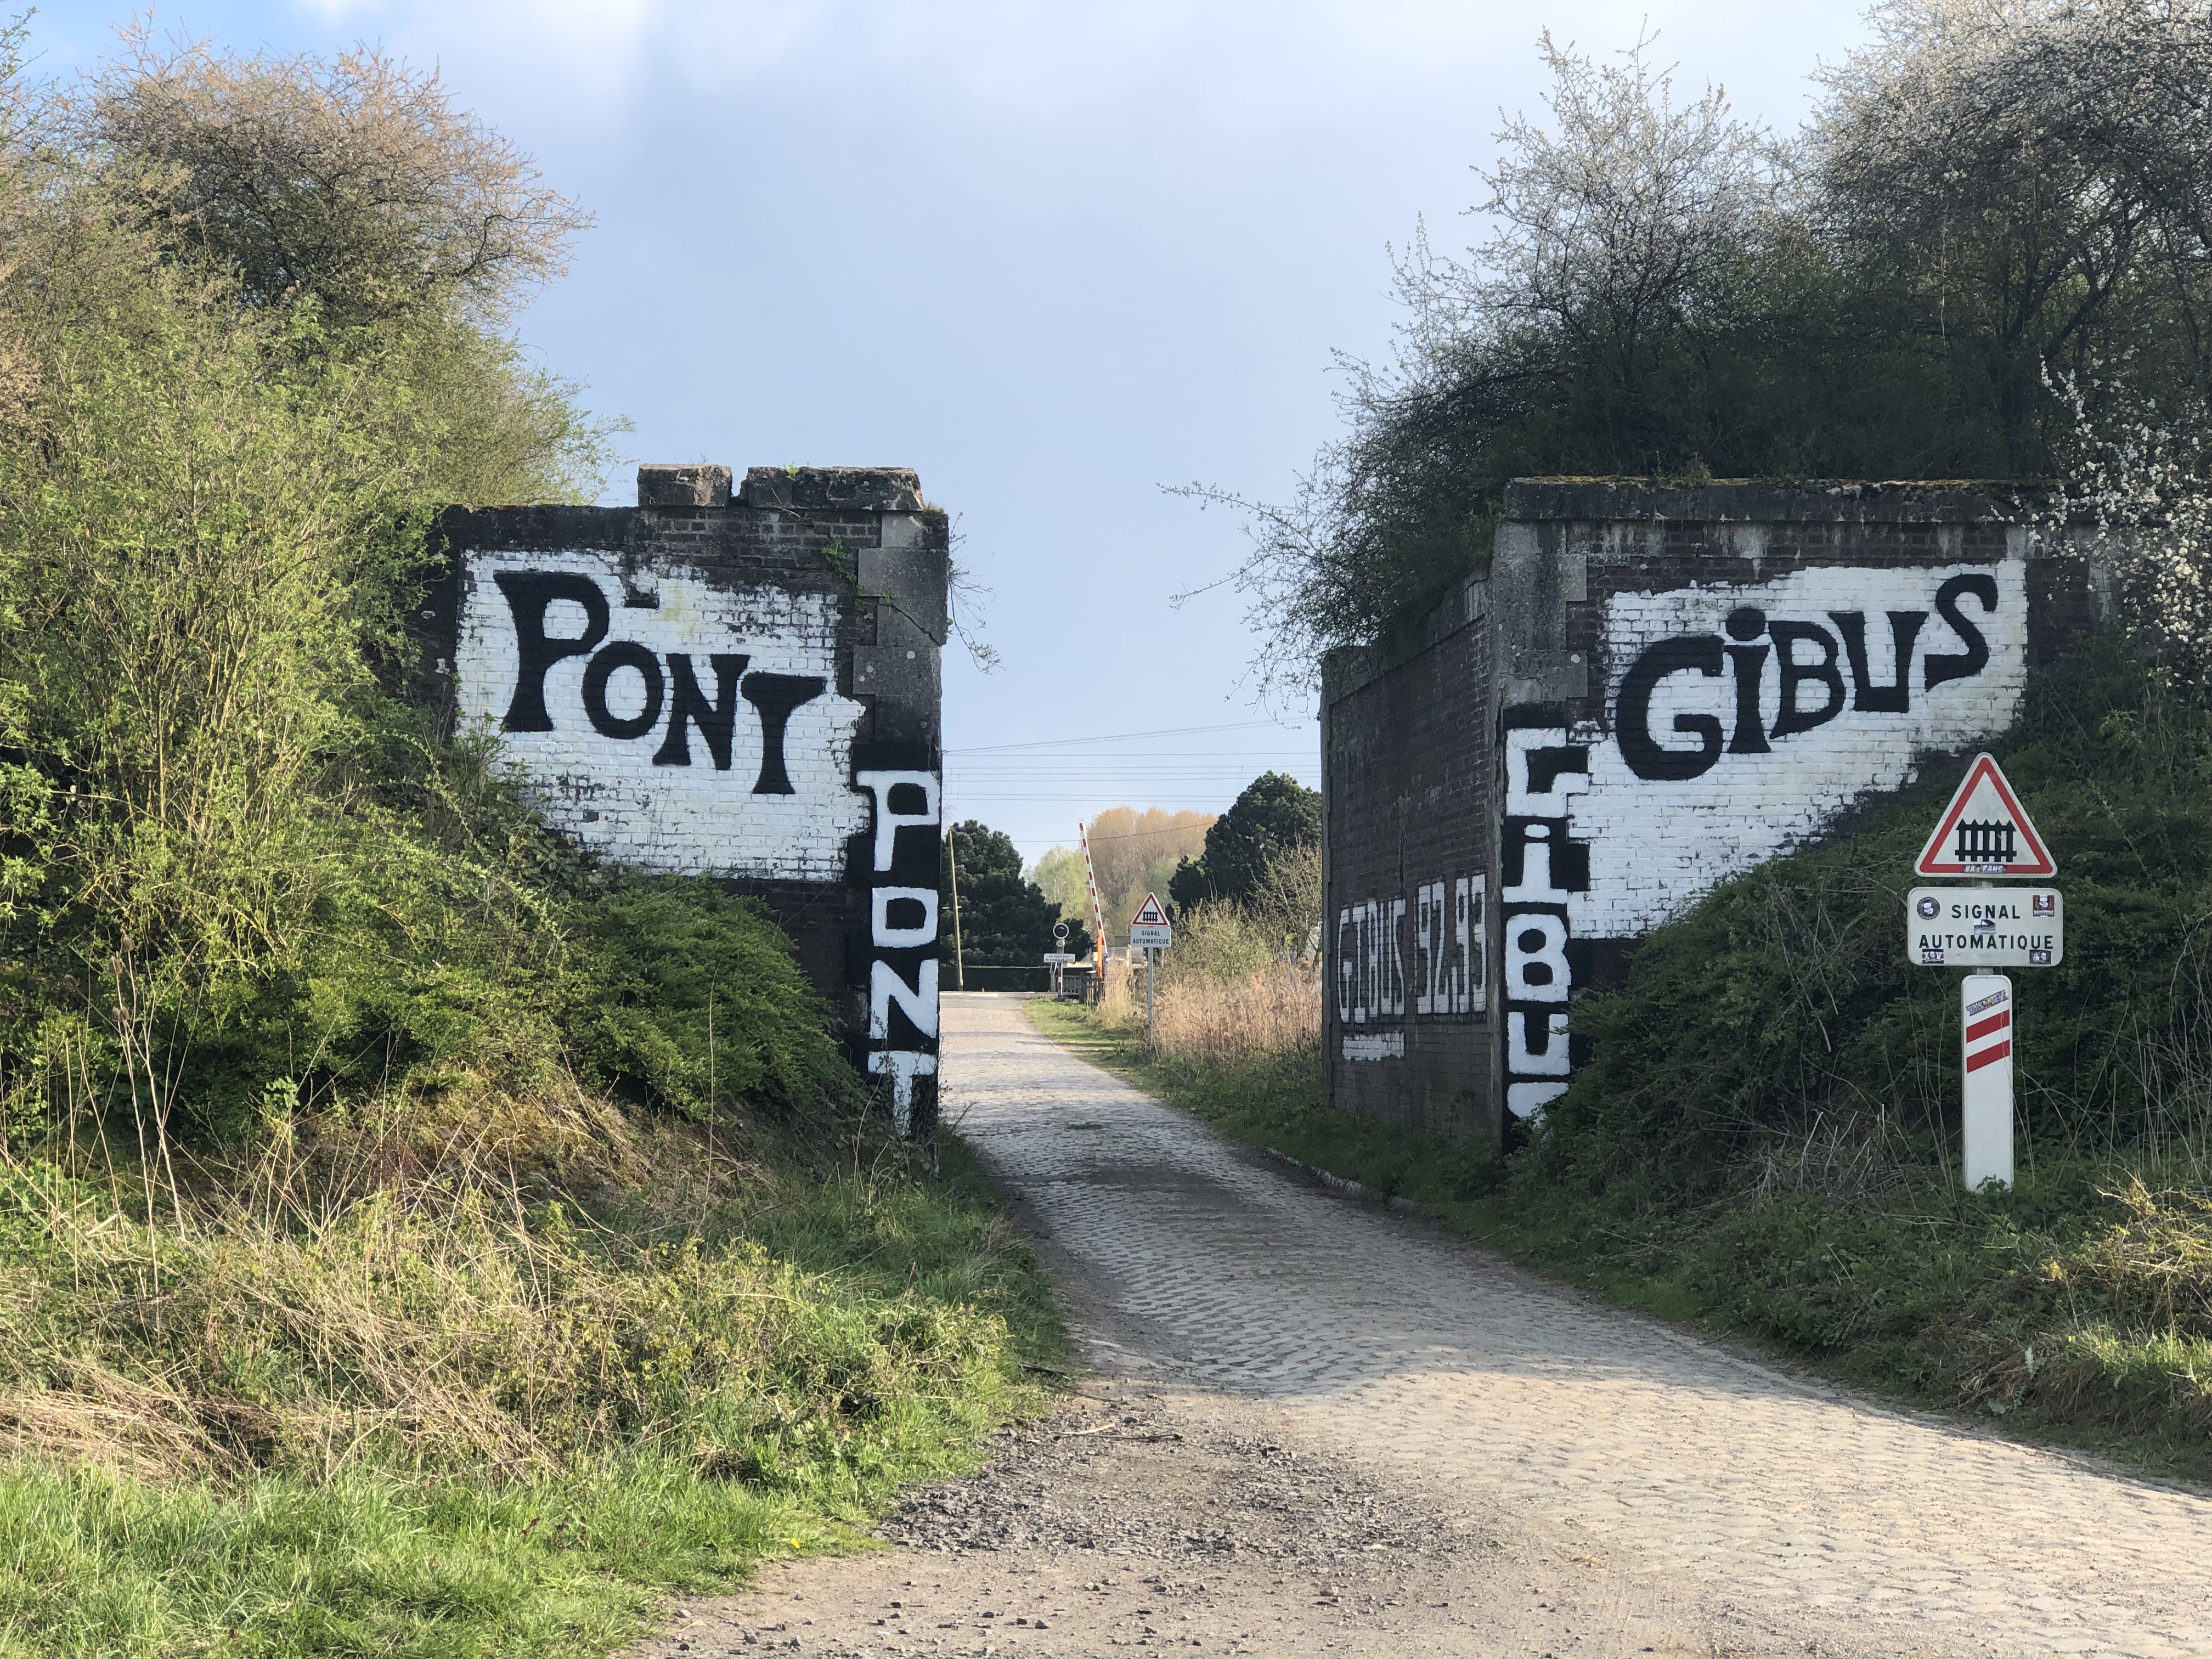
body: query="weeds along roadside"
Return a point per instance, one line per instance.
(349, 1398)
(1790, 1176)
(415, 1238)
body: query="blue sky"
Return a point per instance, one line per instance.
(1051, 256)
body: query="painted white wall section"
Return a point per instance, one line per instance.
(1744, 718)
(702, 735)
(1855, 723)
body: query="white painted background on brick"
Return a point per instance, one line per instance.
(1657, 844)
(606, 793)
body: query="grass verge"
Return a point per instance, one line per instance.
(466, 1418)
(2069, 1311)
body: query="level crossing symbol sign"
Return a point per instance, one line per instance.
(1150, 930)
(1984, 831)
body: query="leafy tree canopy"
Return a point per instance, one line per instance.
(1275, 815)
(1004, 921)
(1992, 235)
(352, 181)
(248, 342)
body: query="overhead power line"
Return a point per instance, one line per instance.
(1116, 736)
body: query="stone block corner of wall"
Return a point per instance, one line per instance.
(682, 484)
(834, 489)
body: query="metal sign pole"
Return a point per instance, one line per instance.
(952, 859)
(1152, 962)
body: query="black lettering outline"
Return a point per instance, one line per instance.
(1788, 719)
(1866, 697)
(717, 721)
(1961, 665)
(623, 653)
(1633, 709)
(528, 593)
(775, 695)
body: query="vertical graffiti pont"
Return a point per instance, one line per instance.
(902, 968)
(738, 683)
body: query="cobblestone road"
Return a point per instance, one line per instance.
(1210, 1265)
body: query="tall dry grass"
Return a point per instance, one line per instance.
(1273, 1008)
(1238, 980)
(417, 1290)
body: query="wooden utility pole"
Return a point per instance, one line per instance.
(959, 978)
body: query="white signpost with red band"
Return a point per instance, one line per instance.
(1985, 1051)
(1985, 832)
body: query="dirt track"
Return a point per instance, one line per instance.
(1317, 1426)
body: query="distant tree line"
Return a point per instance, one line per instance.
(1275, 815)
(1007, 917)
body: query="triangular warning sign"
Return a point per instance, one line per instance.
(1149, 914)
(1984, 831)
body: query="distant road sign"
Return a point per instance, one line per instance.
(1985, 926)
(1059, 956)
(1984, 831)
(1150, 930)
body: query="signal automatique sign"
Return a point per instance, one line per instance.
(1985, 926)
(1151, 930)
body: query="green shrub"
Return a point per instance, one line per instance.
(1784, 1001)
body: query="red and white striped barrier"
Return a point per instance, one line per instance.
(1097, 911)
(1985, 1007)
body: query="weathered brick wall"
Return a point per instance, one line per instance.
(743, 687)
(1689, 681)
(1406, 786)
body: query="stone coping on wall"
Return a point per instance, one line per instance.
(833, 489)
(1719, 501)
(1765, 500)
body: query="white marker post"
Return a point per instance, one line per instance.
(1986, 1049)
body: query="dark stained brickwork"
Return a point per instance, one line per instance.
(1407, 782)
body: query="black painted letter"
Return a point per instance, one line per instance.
(1632, 714)
(1896, 697)
(1789, 718)
(716, 721)
(528, 592)
(775, 695)
(1960, 665)
(622, 653)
